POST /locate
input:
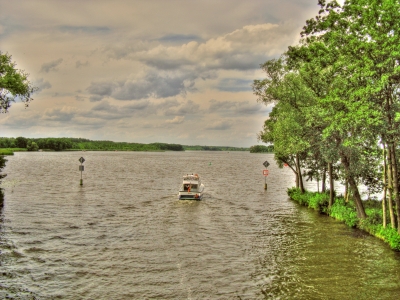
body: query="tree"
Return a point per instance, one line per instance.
(349, 57)
(21, 142)
(32, 146)
(287, 127)
(14, 84)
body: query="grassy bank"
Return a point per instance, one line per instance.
(346, 212)
(10, 151)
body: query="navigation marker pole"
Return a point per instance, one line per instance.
(81, 168)
(265, 173)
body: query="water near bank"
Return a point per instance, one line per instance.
(124, 234)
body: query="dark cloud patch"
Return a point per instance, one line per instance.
(42, 85)
(95, 98)
(79, 98)
(187, 108)
(221, 125)
(179, 38)
(24, 120)
(101, 88)
(80, 64)
(64, 114)
(235, 108)
(235, 85)
(83, 29)
(249, 108)
(107, 111)
(167, 64)
(167, 104)
(240, 61)
(153, 85)
(51, 66)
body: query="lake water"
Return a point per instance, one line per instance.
(125, 235)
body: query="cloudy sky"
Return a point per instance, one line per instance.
(174, 71)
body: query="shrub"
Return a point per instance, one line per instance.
(319, 202)
(344, 212)
(296, 195)
(374, 216)
(389, 235)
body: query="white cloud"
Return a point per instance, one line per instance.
(176, 120)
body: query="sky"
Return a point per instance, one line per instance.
(144, 71)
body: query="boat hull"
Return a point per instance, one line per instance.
(192, 195)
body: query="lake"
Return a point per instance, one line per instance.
(125, 235)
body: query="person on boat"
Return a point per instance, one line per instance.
(187, 187)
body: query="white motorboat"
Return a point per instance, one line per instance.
(191, 188)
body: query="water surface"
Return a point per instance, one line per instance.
(125, 235)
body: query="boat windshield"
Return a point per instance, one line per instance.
(191, 177)
(192, 187)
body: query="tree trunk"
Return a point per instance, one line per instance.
(384, 215)
(331, 186)
(300, 177)
(356, 194)
(395, 184)
(390, 188)
(346, 191)
(323, 187)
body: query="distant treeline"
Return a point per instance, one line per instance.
(261, 149)
(59, 144)
(214, 148)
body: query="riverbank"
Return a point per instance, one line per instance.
(346, 212)
(10, 151)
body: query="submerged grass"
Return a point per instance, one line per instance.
(346, 212)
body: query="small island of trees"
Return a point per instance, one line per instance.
(262, 149)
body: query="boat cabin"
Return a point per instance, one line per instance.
(190, 183)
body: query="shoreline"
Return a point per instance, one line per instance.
(346, 213)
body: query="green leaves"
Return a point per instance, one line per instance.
(14, 84)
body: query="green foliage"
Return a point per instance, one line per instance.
(7, 142)
(295, 194)
(6, 151)
(389, 235)
(10, 151)
(21, 142)
(319, 201)
(345, 212)
(60, 144)
(261, 149)
(14, 84)
(170, 147)
(32, 146)
(213, 148)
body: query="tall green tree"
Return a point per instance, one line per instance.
(287, 128)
